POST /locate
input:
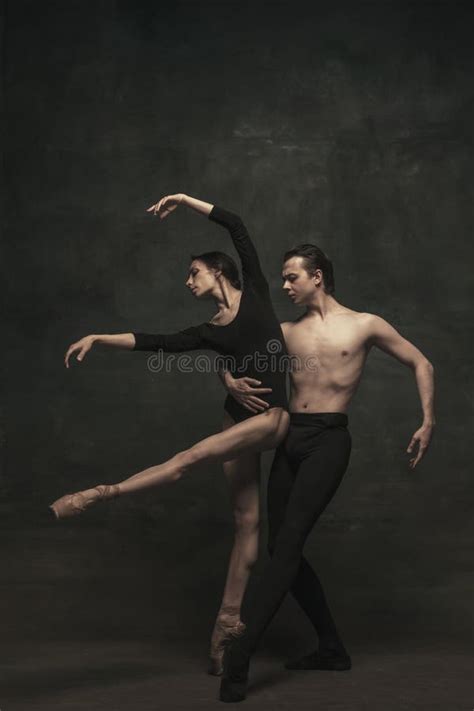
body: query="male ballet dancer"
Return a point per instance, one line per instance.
(331, 343)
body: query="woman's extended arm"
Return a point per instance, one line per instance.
(251, 268)
(83, 346)
(187, 340)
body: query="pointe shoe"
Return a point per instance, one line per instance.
(75, 504)
(224, 632)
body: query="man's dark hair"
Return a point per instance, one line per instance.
(220, 261)
(314, 258)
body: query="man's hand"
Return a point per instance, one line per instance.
(422, 437)
(246, 391)
(81, 347)
(166, 205)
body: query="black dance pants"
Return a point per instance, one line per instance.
(306, 472)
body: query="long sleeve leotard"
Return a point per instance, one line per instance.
(253, 339)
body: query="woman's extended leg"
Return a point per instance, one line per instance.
(243, 476)
(257, 434)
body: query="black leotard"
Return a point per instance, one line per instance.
(253, 338)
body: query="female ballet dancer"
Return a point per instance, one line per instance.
(244, 327)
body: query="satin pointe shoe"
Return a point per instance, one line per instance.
(228, 626)
(75, 504)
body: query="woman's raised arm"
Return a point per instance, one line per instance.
(170, 202)
(251, 268)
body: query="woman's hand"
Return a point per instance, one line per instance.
(246, 392)
(422, 438)
(81, 347)
(166, 205)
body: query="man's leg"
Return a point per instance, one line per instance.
(306, 587)
(318, 479)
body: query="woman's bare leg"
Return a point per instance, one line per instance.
(243, 476)
(257, 434)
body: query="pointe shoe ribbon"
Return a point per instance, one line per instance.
(75, 504)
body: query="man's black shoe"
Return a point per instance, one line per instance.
(235, 674)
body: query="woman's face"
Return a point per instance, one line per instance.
(201, 279)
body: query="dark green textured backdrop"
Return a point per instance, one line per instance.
(350, 126)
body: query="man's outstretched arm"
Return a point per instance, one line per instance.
(387, 338)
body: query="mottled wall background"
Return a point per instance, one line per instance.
(350, 125)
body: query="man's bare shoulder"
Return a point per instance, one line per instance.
(290, 324)
(372, 321)
(361, 323)
(361, 316)
(375, 328)
(346, 311)
(366, 325)
(364, 318)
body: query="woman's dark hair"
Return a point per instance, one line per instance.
(314, 258)
(220, 261)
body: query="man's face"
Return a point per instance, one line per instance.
(297, 282)
(201, 280)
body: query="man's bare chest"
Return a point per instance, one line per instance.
(330, 346)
